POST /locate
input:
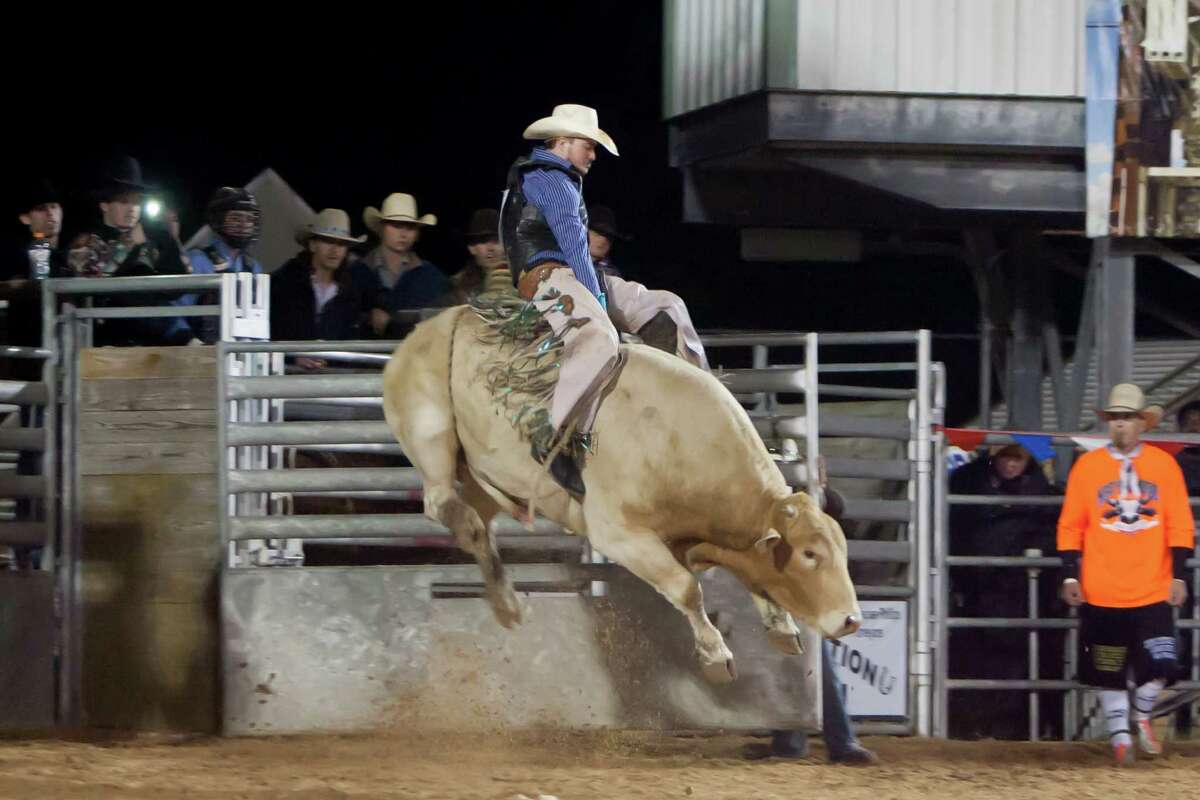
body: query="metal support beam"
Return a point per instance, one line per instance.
(1025, 348)
(1114, 321)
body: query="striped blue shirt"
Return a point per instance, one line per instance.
(557, 196)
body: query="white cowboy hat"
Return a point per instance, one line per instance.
(571, 120)
(331, 223)
(1125, 398)
(396, 208)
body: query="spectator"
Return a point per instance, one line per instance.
(313, 295)
(120, 245)
(399, 278)
(602, 232)
(235, 220)
(1189, 457)
(999, 592)
(1125, 534)
(487, 268)
(841, 745)
(39, 210)
(233, 216)
(1188, 419)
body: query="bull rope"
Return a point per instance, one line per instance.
(522, 377)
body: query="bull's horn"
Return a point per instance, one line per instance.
(768, 540)
(789, 510)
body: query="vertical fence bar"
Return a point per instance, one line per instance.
(1034, 721)
(941, 549)
(71, 664)
(759, 361)
(812, 431)
(1073, 699)
(924, 428)
(227, 555)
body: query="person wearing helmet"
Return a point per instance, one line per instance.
(235, 220)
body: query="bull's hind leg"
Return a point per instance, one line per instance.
(468, 517)
(419, 410)
(497, 585)
(644, 554)
(428, 438)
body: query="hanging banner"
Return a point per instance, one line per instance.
(1142, 119)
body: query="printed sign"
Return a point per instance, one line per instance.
(873, 663)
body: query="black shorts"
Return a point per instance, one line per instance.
(1117, 645)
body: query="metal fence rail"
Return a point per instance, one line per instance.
(33, 447)
(338, 411)
(1034, 623)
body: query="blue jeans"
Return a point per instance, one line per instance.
(836, 730)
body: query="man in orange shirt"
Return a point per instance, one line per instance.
(1125, 534)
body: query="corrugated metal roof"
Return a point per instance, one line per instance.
(1153, 359)
(718, 49)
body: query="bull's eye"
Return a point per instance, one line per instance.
(809, 554)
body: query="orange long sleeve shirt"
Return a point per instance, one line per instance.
(1125, 531)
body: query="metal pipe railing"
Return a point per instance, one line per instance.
(1034, 623)
(798, 339)
(364, 387)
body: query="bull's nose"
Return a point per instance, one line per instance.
(851, 625)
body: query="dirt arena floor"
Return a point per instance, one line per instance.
(573, 766)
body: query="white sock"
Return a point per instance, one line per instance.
(1116, 715)
(1145, 697)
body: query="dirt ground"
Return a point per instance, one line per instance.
(573, 766)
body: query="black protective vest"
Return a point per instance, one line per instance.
(524, 230)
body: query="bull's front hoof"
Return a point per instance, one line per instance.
(786, 642)
(720, 673)
(507, 608)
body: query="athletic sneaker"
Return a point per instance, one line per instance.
(1148, 743)
(1122, 747)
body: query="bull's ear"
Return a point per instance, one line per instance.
(790, 511)
(768, 540)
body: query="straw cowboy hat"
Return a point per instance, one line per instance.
(331, 223)
(1125, 398)
(571, 120)
(396, 208)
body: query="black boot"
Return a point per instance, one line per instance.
(564, 469)
(567, 474)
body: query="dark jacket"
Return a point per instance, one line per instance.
(423, 286)
(1001, 530)
(1189, 463)
(158, 255)
(294, 304)
(24, 324)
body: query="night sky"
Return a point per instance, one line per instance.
(350, 108)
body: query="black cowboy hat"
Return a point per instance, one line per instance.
(34, 192)
(120, 174)
(483, 227)
(603, 221)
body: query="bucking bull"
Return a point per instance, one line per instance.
(678, 482)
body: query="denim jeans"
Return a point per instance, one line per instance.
(836, 730)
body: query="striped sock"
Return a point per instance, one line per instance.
(1116, 715)
(1145, 697)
